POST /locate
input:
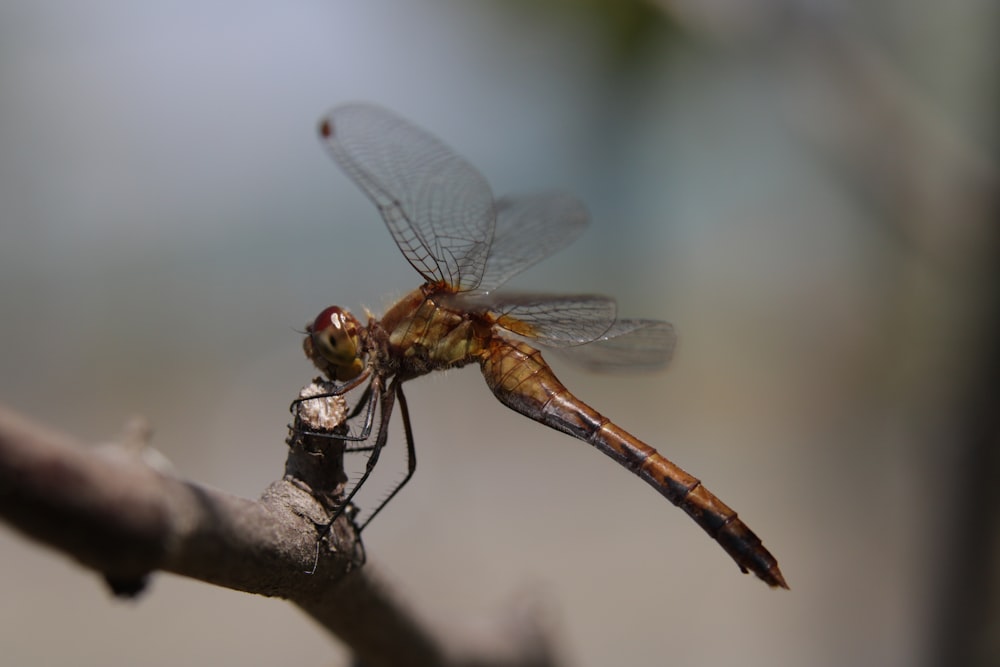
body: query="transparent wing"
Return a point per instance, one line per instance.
(529, 229)
(438, 207)
(553, 320)
(628, 346)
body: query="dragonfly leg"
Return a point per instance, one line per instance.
(387, 398)
(365, 397)
(411, 451)
(368, 398)
(337, 391)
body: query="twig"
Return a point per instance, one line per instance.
(125, 519)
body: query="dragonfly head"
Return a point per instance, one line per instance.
(334, 344)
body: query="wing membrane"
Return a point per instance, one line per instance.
(553, 320)
(529, 229)
(438, 207)
(628, 346)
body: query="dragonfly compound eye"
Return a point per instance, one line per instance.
(336, 336)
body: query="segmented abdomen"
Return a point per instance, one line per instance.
(523, 381)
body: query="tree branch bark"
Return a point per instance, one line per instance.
(120, 516)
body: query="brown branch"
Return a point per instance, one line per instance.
(120, 516)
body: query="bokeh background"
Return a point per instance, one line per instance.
(807, 190)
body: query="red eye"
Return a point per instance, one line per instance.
(335, 344)
(333, 316)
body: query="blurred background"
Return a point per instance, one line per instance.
(806, 189)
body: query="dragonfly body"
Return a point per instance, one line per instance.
(454, 318)
(424, 336)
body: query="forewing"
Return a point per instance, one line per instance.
(628, 346)
(553, 320)
(529, 229)
(438, 207)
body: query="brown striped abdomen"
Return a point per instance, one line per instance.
(523, 381)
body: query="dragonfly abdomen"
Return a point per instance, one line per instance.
(687, 492)
(522, 380)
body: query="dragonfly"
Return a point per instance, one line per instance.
(465, 244)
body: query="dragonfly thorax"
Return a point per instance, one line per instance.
(334, 344)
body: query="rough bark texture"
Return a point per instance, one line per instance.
(120, 516)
